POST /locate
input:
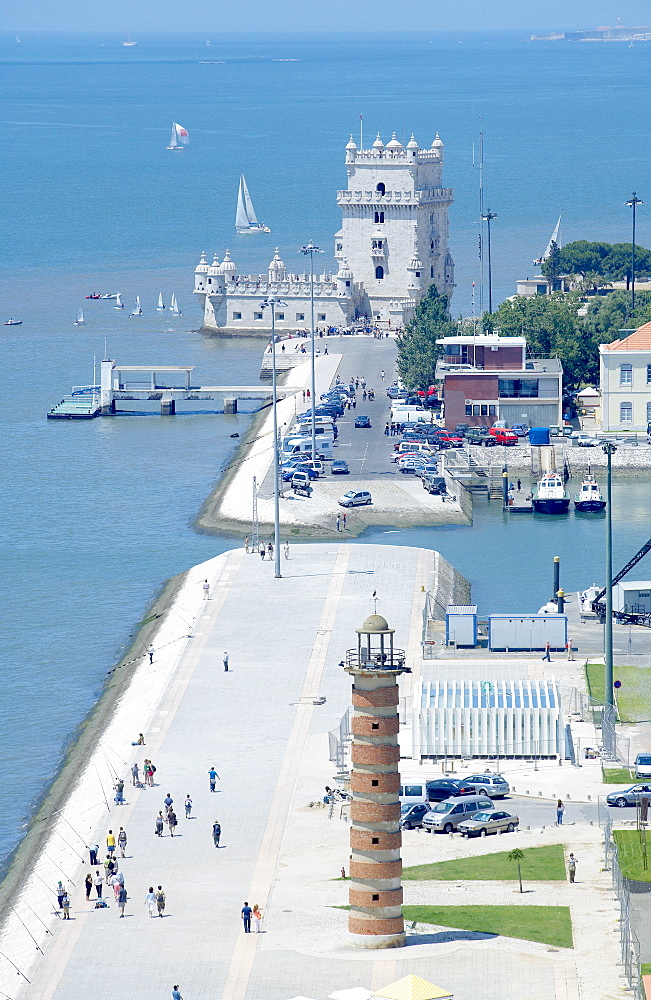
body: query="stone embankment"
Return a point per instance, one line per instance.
(628, 457)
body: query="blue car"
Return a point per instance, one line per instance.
(288, 473)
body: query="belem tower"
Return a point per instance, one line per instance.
(392, 245)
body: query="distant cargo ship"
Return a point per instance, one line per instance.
(620, 33)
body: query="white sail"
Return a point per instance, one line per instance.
(160, 305)
(241, 218)
(248, 204)
(175, 306)
(119, 304)
(137, 311)
(173, 141)
(555, 238)
(80, 318)
(182, 134)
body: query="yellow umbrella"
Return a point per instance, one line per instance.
(412, 988)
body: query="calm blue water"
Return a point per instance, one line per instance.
(96, 515)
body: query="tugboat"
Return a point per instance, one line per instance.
(589, 498)
(551, 497)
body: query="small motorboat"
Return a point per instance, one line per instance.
(13, 322)
(551, 497)
(589, 497)
(95, 295)
(110, 295)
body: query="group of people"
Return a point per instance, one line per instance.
(249, 912)
(394, 429)
(265, 549)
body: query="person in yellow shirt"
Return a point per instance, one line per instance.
(110, 843)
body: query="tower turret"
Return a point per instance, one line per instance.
(351, 150)
(200, 273)
(277, 268)
(228, 268)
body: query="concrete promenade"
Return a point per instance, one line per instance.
(280, 848)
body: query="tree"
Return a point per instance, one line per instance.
(612, 260)
(580, 256)
(551, 267)
(418, 351)
(616, 265)
(517, 855)
(608, 314)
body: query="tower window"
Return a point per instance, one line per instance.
(257, 315)
(431, 272)
(340, 247)
(379, 217)
(375, 725)
(379, 272)
(300, 317)
(375, 897)
(418, 274)
(321, 317)
(375, 840)
(375, 783)
(380, 188)
(237, 315)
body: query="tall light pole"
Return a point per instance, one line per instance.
(608, 727)
(633, 203)
(311, 249)
(488, 218)
(272, 302)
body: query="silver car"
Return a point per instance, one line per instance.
(493, 785)
(488, 822)
(447, 815)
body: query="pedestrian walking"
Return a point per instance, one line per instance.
(286, 550)
(206, 590)
(257, 916)
(150, 901)
(119, 792)
(93, 851)
(122, 840)
(65, 905)
(571, 867)
(135, 775)
(382, 376)
(99, 882)
(160, 822)
(109, 868)
(110, 843)
(262, 550)
(270, 551)
(88, 881)
(303, 395)
(176, 993)
(560, 809)
(151, 651)
(160, 900)
(168, 802)
(246, 544)
(386, 429)
(570, 651)
(547, 655)
(343, 520)
(212, 774)
(188, 806)
(225, 661)
(246, 917)
(61, 891)
(122, 900)
(338, 522)
(117, 884)
(216, 833)
(519, 485)
(172, 821)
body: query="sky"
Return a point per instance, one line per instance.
(312, 15)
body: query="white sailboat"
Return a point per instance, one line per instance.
(180, 137)
(137, 311)
(119, 304)
(128, 40)
(80, 318)
(554, 238)
(174, 306)
(245, 218)
(160, 305)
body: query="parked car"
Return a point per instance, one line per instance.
(586, 441)
(412, 815)
(315, 466)
(476, 436)
(428, 470)
(442, 788)
(362, 421)
(449, 440)
(555, 431)
(435, 485)
(445, 816)
(288, 474)
(355, 498)
(483, 823)
(461, 429)
(410, 464)
(339, 468)
(522, 430)
(643, 765)
(494, 785)
(503, 436)
(628, 796)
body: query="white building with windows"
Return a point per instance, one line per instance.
(625, 381)
(392, 245)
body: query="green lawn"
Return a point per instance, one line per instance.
(540, 864)
(633, 697)
(629, 854)
(617, 775)
(546, 924)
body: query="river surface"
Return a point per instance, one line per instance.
(95, 516)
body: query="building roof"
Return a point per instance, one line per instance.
(484, 340)
(412, 988)
(640, 340)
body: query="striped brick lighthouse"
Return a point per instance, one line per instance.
(375, 894)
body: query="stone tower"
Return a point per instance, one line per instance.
(375, 894)
(394, 229)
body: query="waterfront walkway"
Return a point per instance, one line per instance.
(259, 725)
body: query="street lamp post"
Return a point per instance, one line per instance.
(311, 249)
(633, 203)
(488, 218)
(272, 302)
(608, 727)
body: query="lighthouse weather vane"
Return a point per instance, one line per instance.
(375, 599)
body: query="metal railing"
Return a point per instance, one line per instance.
(338, 741)
(393, 659)
(628, 940)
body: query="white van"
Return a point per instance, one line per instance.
(643, 765)
(299, 445)
(412, 792)
(318, 421)
(324, 432)
(402, 414)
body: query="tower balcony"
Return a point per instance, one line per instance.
(365, 659)
(378, 253)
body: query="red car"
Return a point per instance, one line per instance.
(447, 439)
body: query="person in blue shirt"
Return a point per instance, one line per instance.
(212, 774)
(176, 993)
(246, 917)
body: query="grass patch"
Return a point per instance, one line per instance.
(629, 855)
(540, 864)
(645, 969)
(633, 697)
(545, 924)
(617, 775)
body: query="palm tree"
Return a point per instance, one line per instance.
(517, 855)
